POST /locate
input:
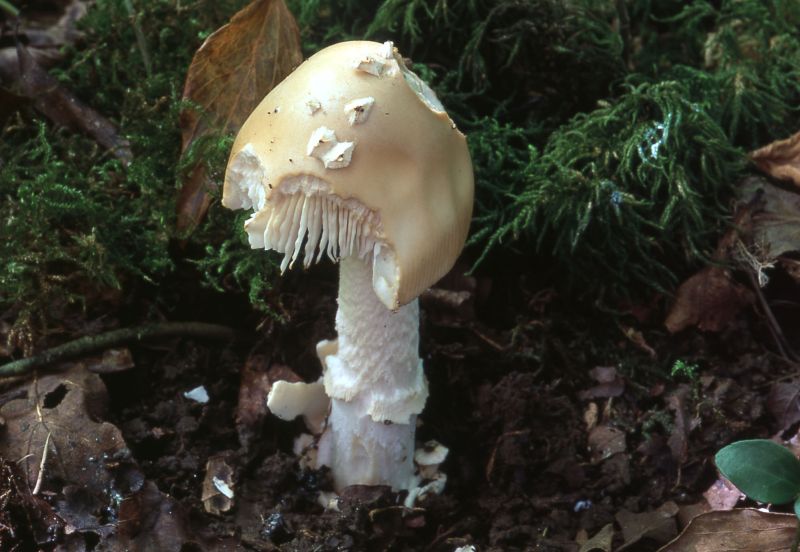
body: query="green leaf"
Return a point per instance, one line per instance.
(797, 508)
(761, 469)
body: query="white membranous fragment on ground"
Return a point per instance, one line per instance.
(361, 165)
(198, 394)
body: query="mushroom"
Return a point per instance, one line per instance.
(353, 157)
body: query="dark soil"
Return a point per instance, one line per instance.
(557, 425)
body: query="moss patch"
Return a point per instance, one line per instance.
(77, 221)
(607, 137)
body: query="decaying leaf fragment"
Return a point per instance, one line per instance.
(741, 530)
(57, 417)
(780, 159)
(678, 441)
(601, 542)
(709, 300)
(658, 525)
(218, 484)
(609, 383)
(776, 220)
(722, 495)
(229, 75)
(783, 402)
(606, 441)
(766, 228)
(45, 34)
(53, 435)
(152, 520)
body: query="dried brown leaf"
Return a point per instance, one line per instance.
(218, 484)
(45, 33)
(606, 441)
(63, 406)
(610, 384)
(783, 402)
(722, 495)
(775, 220)
(688, 512)
(21, 512)
(780, 159)
(710, 300)
(658, 525)
(62, 448)
(736, 530)
(601, 542)
(679, 436)
(229, 75)
(150, 520)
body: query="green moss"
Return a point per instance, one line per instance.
(705, 84)
(76, 221)
(606, 136)
(229, 265)
(563, 101)
(623, 193)
(524, 61)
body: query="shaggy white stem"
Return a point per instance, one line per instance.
(361, 451)
(376, 385)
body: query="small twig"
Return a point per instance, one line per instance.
(772, 323)
(9, 8)
(491, 342)
(40, 477)
(93, 343)
(137, 29)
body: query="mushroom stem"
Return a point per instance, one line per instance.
(361, 451)
(376, 385)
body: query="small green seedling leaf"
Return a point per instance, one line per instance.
(797, 507)
(761, 469)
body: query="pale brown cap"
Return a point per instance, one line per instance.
(356, 156)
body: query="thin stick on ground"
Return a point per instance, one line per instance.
(94, 343)
(40, 476)
(772, 323)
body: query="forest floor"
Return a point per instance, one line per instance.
(570, 426)
(552, 437)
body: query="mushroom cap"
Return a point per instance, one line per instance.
(352, 123)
